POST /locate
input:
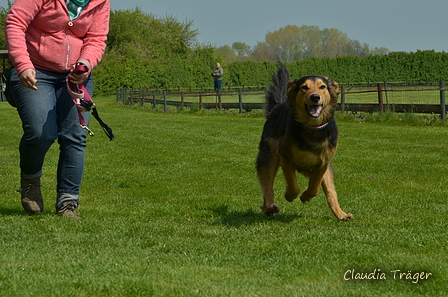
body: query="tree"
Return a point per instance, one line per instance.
(241, 48)
(150, 52)
(3, 13)
(292, 43)
(227, 53)
(380, 51)
(262, 52)
(286, 44)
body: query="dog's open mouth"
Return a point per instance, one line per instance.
(314, 110)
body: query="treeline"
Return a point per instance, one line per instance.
(293, 43)
(148, 52)
(145, 51)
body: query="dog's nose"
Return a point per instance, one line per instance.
(315, 98)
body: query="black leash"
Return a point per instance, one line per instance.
(105, 127)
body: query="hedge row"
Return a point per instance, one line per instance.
(193, 70)
(396, 66)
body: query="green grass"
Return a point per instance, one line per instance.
(411, 95)
(170, 208)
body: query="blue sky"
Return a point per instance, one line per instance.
(395, 24)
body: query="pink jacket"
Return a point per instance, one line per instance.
(40, 34)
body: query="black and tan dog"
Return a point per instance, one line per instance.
(300, 134)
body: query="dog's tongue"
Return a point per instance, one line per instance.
(315, 110)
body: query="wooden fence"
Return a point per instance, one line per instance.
(381, 92)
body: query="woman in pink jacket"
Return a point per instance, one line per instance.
(46, 39)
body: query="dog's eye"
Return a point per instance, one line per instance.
(305, 88)
(323, 87)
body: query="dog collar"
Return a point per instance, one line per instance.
(316, 127)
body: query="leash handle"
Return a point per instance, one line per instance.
(80, 68)
(83, 102)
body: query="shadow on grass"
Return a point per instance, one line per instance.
(11, 211)
(248, 217)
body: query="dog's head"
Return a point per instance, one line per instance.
(313, 99)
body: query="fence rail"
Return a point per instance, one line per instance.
(429, 98)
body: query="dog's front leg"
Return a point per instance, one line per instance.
(289, 171)
(315, 180)
(332, 198)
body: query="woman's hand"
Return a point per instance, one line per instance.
(28, 78)
(77, 77)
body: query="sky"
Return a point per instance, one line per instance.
(398, 25)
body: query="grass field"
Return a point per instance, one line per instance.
(170, 208)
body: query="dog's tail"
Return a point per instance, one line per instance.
(276, 93)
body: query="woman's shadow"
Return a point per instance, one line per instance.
(4, 211)
(248, 217)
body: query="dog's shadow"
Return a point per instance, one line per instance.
(248, 217)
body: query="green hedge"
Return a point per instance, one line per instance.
(397, 66)
(117, 72)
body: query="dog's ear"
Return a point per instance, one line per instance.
(334, 85)
(292, 84)
(333, 88)
(292, 88)
(291, 93)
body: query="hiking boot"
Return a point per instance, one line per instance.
(32, 200)
(68, 210)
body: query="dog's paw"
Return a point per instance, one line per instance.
(270, 210)
(290, 196)
(346, 217)
(305, 197)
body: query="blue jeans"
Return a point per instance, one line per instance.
(218, 84)
(48, 114)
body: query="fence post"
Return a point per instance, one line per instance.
(387, 94)
(182, 100)
(164, 102)
(342, 99)
(131, 97)
(380, 96)
(216, 100)
(240, 100)
(219, 99)
(200, 100)
(442, 99)
(155, 100)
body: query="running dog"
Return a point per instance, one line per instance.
(300, 134)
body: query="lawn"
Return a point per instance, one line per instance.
(171, 208)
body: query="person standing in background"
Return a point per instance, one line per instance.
(217, 76)
(46, 40)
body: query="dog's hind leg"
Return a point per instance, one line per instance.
(268, 163)
(332, 198)
(289, 171)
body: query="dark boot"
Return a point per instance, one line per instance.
(32, 200)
